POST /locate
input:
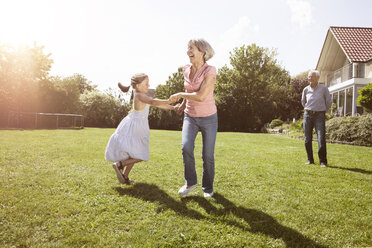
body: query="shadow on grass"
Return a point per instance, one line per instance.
(351, 169)
(258, 221)
(152, 193)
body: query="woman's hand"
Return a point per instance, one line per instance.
(179, 108)
(175, 97)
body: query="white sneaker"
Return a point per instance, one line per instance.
(208, 195)
(184, 190)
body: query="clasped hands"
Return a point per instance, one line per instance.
(175, 97)
(178, 107)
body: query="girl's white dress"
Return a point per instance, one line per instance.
(131, 138)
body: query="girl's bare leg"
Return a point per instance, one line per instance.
(122, 169)
(128, 165)
(128, 168)
(130, 161)
(122, 164)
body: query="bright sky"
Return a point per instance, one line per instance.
(109, 40)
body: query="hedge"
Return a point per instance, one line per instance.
(352, 129)
(275, 123)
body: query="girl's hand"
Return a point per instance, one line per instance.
(175, 97)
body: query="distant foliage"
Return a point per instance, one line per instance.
(21, 71)
(253, 91)
(250, 92)
(302, 75)
(102, 110)
(294, 105)
(297, 125)
(365, 97)
(165, 119)
(354, 129)
(275, 123)
(26, 86)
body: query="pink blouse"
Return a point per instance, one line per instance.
(208, 106)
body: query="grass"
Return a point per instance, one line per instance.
(56, 190)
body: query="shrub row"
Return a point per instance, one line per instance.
(276, 123)
(353, 129)
(356, 130)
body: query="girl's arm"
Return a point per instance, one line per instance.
(199, 96)
(153, 102)
(167, 106)
(159, 103)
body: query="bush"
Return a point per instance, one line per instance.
(365, 97)
(354, 129)
(102, 110)
(276, 123)
(297, 126)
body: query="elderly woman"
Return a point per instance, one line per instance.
(200, 113)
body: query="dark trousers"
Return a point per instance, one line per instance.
(317, 120)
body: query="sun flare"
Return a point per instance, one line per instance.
(24, 22)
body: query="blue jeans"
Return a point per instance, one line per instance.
(316, 120)
(208, 127)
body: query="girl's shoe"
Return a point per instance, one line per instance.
(127, 180)
(118, 172)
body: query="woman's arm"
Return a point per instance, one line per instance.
(199, 96)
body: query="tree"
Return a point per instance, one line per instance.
(295, 107)
(21, 70)
(163, 119)
(123, 98)
(251, 92)
(302, 75)
(174, 84)
(58, 94)
(102, 110)
(83, 83)
(365, 97)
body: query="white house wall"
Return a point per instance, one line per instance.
(368, 70)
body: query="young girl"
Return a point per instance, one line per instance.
(130, 142)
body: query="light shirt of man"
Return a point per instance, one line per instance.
(316, 99)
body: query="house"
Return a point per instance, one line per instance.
(345, 66)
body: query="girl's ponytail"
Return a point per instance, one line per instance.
(136, 79)
(123, 88)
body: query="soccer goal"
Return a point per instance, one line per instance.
(32, 120)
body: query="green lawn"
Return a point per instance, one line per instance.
(57, 190)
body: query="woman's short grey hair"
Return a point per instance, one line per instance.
(204, 47)
(315, 72)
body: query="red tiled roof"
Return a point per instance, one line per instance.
(355, 42)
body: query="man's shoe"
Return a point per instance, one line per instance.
(184, 190)
(323, 165)
(208, 195)
(308, 162)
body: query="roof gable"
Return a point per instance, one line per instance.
(355, 42)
